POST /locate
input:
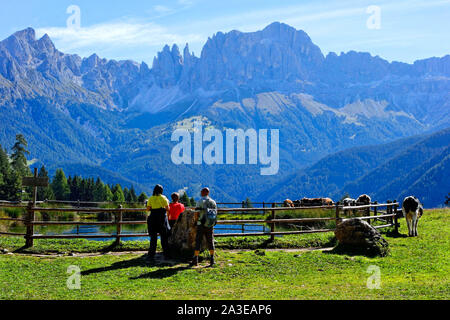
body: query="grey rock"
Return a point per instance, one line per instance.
(360, 236)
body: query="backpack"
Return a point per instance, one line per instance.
(210, 219)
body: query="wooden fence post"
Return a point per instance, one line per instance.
(30, 214)
(389, 210)
(368, 214)
(272, 225)
(337, 213)
(396, 224)
(29, 224)
(375, 210)
(118, 225)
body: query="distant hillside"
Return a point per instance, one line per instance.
(414, 166)
(421, 169)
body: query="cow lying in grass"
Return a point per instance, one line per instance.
(314, 202)
(308, 202)
(412, 210)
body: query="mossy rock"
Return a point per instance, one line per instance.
(357, 237)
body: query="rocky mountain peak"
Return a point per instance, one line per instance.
(45, 44)
(167, 66)
(27, 34)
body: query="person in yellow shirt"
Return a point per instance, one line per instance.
(157, 221)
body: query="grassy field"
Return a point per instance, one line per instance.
(417, 268)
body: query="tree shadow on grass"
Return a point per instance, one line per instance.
(141, 261)
(161, 273)
(136, 262)
(393, 234)
(109, 248)
(21, 249)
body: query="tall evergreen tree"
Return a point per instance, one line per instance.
(132, 195)
(118, 194)
(75, 188)
(142, 197)
(126, 194)
(11, 188)
(89, 190)
(18, 157)
(99, 191)
(44, 193)
(108, 194)
(60, 186)
(5, 171)
(184, 199)
(193, 203)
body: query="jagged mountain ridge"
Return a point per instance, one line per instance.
(98, 111)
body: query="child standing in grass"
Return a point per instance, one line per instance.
(175, 209)
(205, 228)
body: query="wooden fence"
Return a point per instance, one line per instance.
(389, 218)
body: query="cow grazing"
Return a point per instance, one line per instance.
(327, 202)
(297, 203)
(363, 199)
(412, 210)
(288, 203)
(349, 202)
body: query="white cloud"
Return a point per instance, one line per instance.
(117, 34)
(162, 9)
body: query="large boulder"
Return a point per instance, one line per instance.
(183, 234)
(358, 236)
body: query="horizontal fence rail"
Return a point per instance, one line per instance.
(371, 213)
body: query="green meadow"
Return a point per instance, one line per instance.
(416, 268)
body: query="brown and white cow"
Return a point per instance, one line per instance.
(363, 199)
(288, 203)
(412, 210)
(313, 202)
(327, 202)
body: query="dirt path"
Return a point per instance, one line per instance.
(120, 253)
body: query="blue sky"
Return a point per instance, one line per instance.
(138, 29)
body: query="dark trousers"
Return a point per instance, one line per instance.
(157, 223)
(208, 233)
